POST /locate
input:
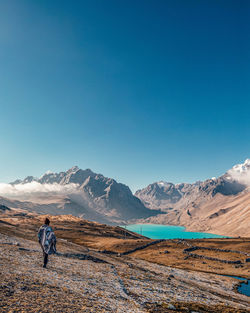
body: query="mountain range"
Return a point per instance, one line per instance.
(78, 192)
(220, 205)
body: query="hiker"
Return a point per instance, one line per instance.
(47, 240)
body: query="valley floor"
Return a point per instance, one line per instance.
(84, 280)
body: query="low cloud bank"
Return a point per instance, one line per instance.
(243, 178)
(36, 192)
(35, 189)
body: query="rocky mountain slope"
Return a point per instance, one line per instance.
(220, 205)
(81, 280)
(78, 192)
(81, 277)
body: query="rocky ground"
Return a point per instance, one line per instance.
(84, 280)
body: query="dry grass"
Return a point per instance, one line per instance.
(20, 294)
(187, 307)
(222, 255)
(32, 294)
(73, 229)
(103, 237)
(239, 244)
(176, 258)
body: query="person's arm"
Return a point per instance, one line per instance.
(55, 243)
(39, 234)
(53, 236)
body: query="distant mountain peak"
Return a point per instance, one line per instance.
(93, 195)
(240, 172)
(242, 167)
(164, 194)
(163, 183)
(73, 169)
(47, 173)
(29, 179)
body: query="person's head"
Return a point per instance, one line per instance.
(46, 221)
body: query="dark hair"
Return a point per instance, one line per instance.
(46, 221)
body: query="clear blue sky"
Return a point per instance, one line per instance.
(137, 90)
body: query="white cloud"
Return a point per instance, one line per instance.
(35, 189)
(241, 177)
(43, 193)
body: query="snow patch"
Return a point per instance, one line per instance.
(161, 183)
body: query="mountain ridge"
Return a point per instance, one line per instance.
(220, 205)
(208, 205)
(92, 196)
(160, 194)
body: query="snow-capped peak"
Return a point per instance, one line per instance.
(241, 172)
(247, 162)
(49, 172)
(73, 169)
(242, 168)
(162, 183)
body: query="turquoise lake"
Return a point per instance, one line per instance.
(155, 231)
(244, 287)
